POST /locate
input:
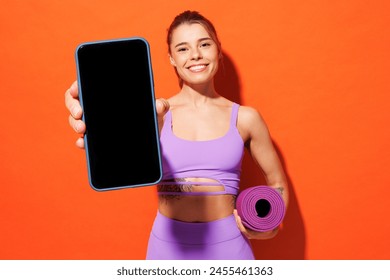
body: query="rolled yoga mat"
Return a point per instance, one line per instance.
(261, 208)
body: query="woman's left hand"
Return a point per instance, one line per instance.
(251, 234)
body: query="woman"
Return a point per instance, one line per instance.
(196, 218)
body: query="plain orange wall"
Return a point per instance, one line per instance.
(317, 71)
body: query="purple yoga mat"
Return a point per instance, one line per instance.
(252, 206)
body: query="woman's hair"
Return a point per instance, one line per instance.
(191, 17)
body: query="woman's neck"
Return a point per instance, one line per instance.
(197, 94)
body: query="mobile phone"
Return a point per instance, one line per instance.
(116, 93)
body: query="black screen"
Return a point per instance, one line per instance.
(116, 92)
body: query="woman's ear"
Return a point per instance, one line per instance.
(173, 63)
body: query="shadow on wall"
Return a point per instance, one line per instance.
(227, 82)
(290, 242)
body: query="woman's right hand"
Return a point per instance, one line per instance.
(72, 103)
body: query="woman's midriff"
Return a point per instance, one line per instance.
(196, 208)
(192, 207)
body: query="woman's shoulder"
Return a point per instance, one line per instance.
(250, 120)
(249, 114)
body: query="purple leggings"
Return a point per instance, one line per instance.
(217, 240)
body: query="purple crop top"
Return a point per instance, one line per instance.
(217, 159)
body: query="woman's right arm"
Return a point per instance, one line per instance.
(72, 103)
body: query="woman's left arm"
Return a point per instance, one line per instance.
(259, 143)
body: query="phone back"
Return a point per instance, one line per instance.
(117, 95)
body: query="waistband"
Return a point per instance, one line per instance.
(175, 231)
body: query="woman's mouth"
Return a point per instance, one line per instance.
(197, 68)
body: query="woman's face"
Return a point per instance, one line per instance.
(194, 54)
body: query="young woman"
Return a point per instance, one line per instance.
(202, 137)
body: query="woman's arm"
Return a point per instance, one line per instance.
(73, 105)
(259, 143)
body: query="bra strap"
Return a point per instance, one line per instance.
(167, 126)
(234, 116)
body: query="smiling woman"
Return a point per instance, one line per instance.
(318, 71)
(193, 54)
(202, 138)
(200, 38)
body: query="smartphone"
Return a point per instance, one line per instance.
(116, 93)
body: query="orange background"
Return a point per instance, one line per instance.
(317, 71)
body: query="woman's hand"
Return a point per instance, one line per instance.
(251, 234)
(72, 103)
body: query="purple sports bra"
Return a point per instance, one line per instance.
(218, 159)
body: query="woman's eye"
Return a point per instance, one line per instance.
(181, 49)
(205, 44)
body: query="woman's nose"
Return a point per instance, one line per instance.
(196, 54)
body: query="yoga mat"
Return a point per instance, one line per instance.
(261, 208)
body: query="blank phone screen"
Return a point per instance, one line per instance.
(117, 96)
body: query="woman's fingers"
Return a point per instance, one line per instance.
(80, 143)
(77, 125)
(72, 102)
(239, 223)
(73, 105)
(74, 90)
